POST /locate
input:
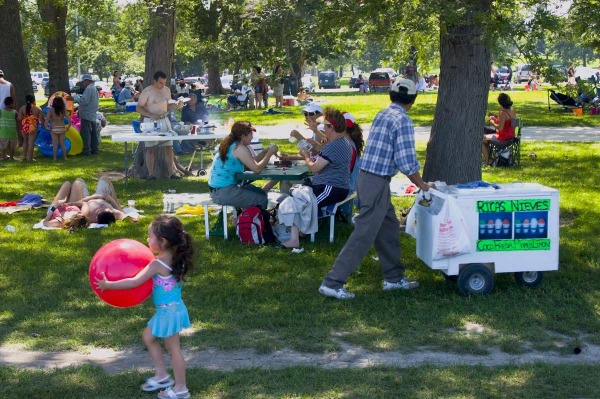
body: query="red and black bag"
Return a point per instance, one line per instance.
(253, 226)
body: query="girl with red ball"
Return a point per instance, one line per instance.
(173, 245)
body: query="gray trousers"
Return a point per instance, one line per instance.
(376, 224)
(89, 135)
(240, 197)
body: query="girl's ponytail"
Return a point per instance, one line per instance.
(183, 260)
(30, 100)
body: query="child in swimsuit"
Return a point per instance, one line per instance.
(175, 255)
(55, 122)
(29, 116)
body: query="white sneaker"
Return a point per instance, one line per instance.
(404, 284)
(339, 293)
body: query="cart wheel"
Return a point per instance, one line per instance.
(530, 279)
(475, 279)
(201, 172)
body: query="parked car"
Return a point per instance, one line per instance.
(308, 83)
(561, 71)
(45, 81)
(328, 80)
(379, 81)
(523, 73)
(73, 87)
(353, 83)
(503, 73)
(586, 73)
(103, 89)
(38, 76)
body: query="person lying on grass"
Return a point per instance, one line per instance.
(73, 207)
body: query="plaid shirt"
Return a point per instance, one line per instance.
(391, 144)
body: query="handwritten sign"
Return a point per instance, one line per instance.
(534, 244)
(517, 205)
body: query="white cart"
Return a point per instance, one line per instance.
(513, 229)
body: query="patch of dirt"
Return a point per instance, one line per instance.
(113, 175)
(349, 356)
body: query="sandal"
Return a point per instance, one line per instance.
(170, 394)
(153, 385)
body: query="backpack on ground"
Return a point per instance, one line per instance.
(253, 226)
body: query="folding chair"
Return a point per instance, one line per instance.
(568, 103)
(499, 149)
(330, 212)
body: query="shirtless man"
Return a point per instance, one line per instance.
(103, 207)
(153, 105)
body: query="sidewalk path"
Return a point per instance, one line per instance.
(530, 133)
(349, 356)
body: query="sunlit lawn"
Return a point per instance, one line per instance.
(532, 106)
(266, 299)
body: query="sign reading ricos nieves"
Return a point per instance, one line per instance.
(513, 225)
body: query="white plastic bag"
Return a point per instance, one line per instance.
(411, 218)
(452, 234)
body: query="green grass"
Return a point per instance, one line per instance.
(532, 107)
(249, 297)
(266, 299)
(530, 381)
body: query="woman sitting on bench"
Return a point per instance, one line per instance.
(502, 129)
(234, 157)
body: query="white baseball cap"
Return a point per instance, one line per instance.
(312, 107)
(404, 86)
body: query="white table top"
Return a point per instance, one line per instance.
(138, 137)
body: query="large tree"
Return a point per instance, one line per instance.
(454, 148)
(13, 60)
(160, 46)
(54, 17)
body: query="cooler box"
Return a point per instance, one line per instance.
(511, 229)
(289, 101)
(130, 107)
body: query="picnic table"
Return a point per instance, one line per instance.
(143, 137)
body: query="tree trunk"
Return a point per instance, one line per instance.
(454, 148)
(12, 57)
(54, 14)
(160, 47)
(214, 74)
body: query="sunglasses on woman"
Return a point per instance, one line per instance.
(310, 113)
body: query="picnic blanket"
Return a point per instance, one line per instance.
(26, 203)
(402, 186)
(179, 203)
(171, 202)
(128, 211)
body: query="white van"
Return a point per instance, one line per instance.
(38, 76)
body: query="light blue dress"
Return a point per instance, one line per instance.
(171, 314)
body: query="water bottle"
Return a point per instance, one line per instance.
(304, 145)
